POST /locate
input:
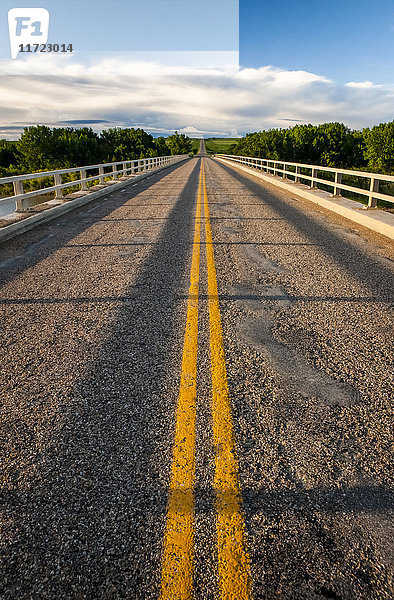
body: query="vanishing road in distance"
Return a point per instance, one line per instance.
(196, 387)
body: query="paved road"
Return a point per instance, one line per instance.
(144, 461)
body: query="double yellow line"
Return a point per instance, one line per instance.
(233, 560)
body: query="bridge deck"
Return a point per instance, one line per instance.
(95, 306)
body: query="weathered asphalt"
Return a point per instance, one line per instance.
(94, 312)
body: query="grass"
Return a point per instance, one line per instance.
(220, 145)
(215, 145)
(195, 145)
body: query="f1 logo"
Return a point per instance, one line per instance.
(27, 26)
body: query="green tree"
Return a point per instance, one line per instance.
(9, 154)
(179, 143)
(42, 148)
(161, 146)
(379, 147)
(330, 144)
(125, 144)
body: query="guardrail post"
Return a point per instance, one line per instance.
(297, 172)
(338, 179)
(124, 172)
(284, 171)
(18, 187)
(114, 173)
(101, 175)
(21, 204)
(58, 181)
(374, 187)
(84, 185)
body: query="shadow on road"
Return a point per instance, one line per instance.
(91, 523)
(16, 255)
(360, 265)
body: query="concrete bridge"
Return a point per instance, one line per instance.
(196, 387)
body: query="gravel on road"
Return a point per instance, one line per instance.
(93, 322)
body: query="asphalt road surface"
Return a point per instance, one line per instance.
(196, 384)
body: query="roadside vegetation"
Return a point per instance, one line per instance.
(42, 148)
(220, 145)
(332, 145)
(195, 145)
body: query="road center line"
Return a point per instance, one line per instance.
(234, 563)
(177, 567)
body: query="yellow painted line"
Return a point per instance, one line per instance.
(233, 558)
(177, 567)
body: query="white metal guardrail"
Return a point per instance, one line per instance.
(127, 168)
(290, 170)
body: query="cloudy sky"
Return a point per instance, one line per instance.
(296, 65)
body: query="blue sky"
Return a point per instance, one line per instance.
(345, 40)
(300, 62)
(143, 25)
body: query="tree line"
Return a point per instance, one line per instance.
(330, 144)
(42, 148)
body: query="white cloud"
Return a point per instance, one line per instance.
(197, 133)
(195, 101)
(363, 85)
